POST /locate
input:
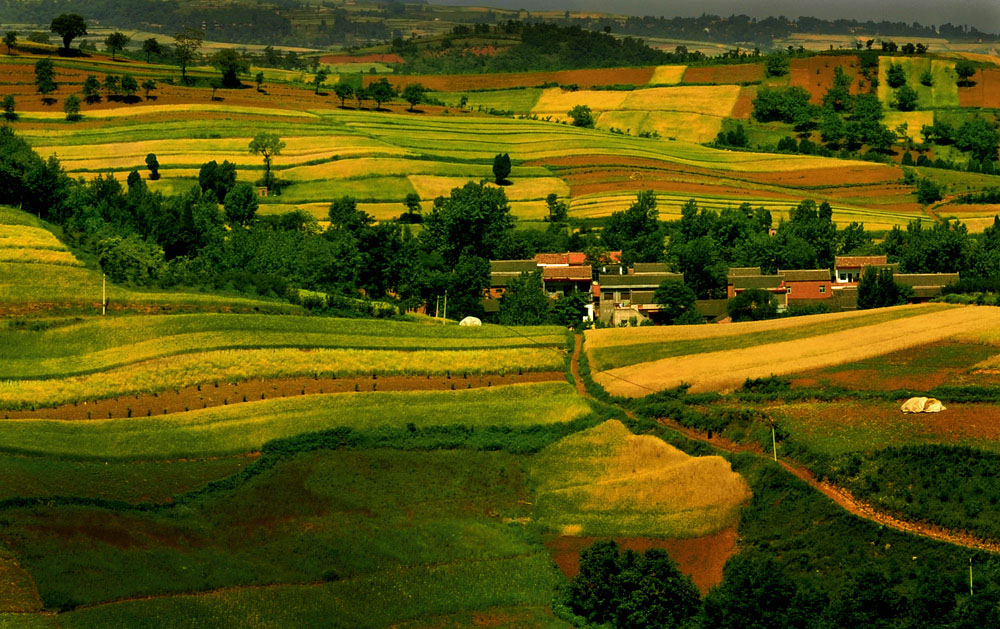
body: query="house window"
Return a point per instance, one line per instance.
(822, 288)
(788, 290)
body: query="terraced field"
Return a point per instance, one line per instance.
(942, 93)
(637, 364)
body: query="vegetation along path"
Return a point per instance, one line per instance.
(840, 496)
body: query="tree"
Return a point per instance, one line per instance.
(343, 92)
(636, 231)
(906, 98)
(152, 47)
(677, 303)
(91, 90)
(412, 205)
(344, 215)
(154, 166)
(259, 80)
(361, 95)
(838, 96)
(8, 107)
(927, 79)
(895, 76)
(10, 40)
(216, 85)
(501, 168)
(186, 45)
(474, 220)
(878, 289)
(381, 91)
(776, 65)
(149, 85)
(927, 191)
(129, 86)
(111, 85)
(268, 146)
(240, 205)
(558, 210)
(69, 26)
(755, 593)
(964, 70)
(116, 41)
(217, 179)
(231, 65)
(525, 301)
(321, 75)
(752, 304)
(72, 107)
(582, 116)
(414, 94)
(979, 137)
(45, 77)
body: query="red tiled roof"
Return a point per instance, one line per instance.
(550, 258)
(574, 273)
(576, 258)
(857, 262)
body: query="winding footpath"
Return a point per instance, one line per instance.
(838, 495)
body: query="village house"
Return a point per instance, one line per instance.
(629, 297)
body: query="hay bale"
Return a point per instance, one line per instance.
(922, 405)
(470, 321)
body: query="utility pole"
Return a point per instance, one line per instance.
(446, 305)
(970, 576)
(437, 307)
(104, 294)
(774, 443)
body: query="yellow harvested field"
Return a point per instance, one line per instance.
(667, 75)
(712, 100)
(703, 371)
(683, 126)
(25, 237)
(914, 121)
(149, 110)
(607, 481)
(39, 256)
(614, 337)
(556, 100)
(521, 189)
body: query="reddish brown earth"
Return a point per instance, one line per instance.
(701, 558)
(728, 74)
(815, 74)
(875, 173)
(372, 58)
(985, 91)
(463, 82)
(209, 395)
(744, 103)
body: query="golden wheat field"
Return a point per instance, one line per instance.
(607, 481)
(727, 370)
(667, 75)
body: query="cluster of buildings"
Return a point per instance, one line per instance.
(620, 294)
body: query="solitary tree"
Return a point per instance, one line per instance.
(582, 116)
(72, 107)
(91, 90)
(414, 94)
(129, 86)
(752, 304)
(413, 209)
(231, 65)
(361, 95)
(927, 79)
(321, 74)
(525, 302)
(215, 84)
(152, 47)
(267, 145)
(241, 205)
(111, 85)
(10, 40)
(116, 41)
(964, 70)
(186, 45)
(677, 303)
(501, 168)
(153, 165)
(45, 77)
(878, 289)
(776, 65)
(906, 98)
(895, 76)
(259, 79)
(8, 107)
(343, 92)
(381, 91)
(149, 85)
(69, 26)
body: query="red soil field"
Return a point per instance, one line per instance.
(701, 558)
(955, 424)
(960, 208)
(727, 74)
(373, 58)
(744, 103)
(984, 93)
(226, 393)
(876, 173)
(815, 74)
(463, 82)
(660, 184)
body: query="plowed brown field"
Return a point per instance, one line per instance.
(728, 74)
(464, 82)
(703, 371)
(815, 74)
(985, 91)
(744, 104)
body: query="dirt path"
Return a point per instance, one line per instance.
(838, 495)
(228, 393)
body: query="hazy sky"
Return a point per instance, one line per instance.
(983, 14)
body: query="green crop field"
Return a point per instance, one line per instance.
(943, 91)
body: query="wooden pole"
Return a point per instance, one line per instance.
(774, 443)
(104, 294)
(970, 576)
(446, 305)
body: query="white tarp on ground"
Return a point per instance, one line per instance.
(470, 321)
(922, 405)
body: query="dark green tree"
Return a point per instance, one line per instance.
(151, 47)
(582, 116)
(878, 289)
(344, 215)
(217, 179)
(927, 79)
(69, 26)
(186, 45)
(906, 98)
(45, 77)
(321, 74)
(231, 65)
(525, 301)
(979, 137)
(343, 92)
(475, 220)
(91, 90)
(413, 209)
(111, 86)
(148, 85)
(501, 168)
(154, 166)
(895, 76)
(754, 594)
(116, 41)
(558, 210)
(414, 94)
(752, 304)
(381, 91)
(129, 87)
(838, 95)
(965, 70)
(677, 303)
(259, 80)
(637, 231)
(10, 41)
(866, 599)
(268, 146)
(776, 65)
(241, 205)
(8, 108)
(72, 107)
